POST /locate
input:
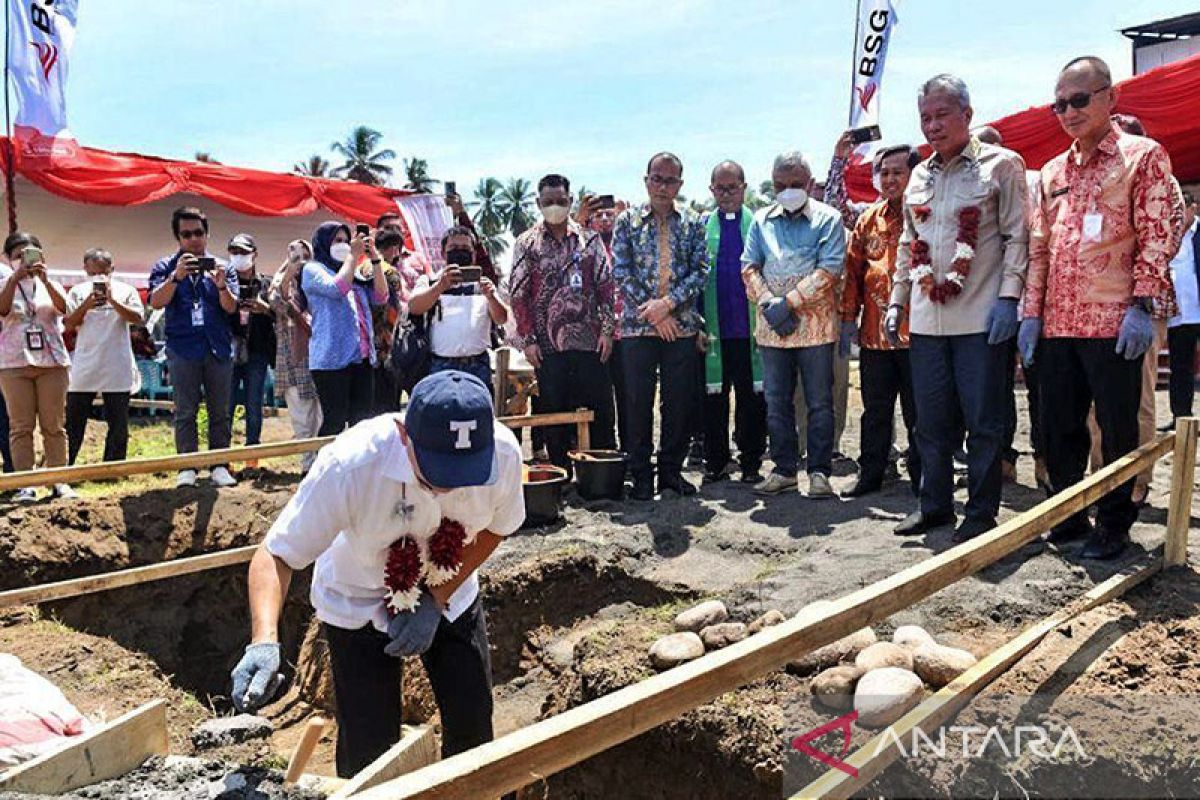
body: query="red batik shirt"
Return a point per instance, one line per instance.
(1082, 288)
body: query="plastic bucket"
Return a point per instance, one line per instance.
(543, 485)
(599, 474)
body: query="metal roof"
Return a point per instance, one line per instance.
(1180, 27)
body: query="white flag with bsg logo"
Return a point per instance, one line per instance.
(41, 34)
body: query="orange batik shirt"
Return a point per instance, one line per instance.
(870, 264)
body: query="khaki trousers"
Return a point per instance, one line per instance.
(36, 397)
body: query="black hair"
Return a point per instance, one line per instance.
(674, 159)
(1130, 124)
(187, 212)
(21, 239)
(1189, 199)
(1096, 63)
(384, 217)
(554, 181)
(458, 230)
(914, 156)
(386, 239)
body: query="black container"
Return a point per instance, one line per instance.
(543, 485)
(599, 474)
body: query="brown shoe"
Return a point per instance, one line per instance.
(1041, 475)
(1008, 471)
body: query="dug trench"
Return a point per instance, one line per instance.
(572, 611)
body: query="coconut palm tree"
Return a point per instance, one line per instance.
(416, 174)
(204, 157)
(767, 190)
(516, 203)
(315, 167)
(488, 217)
(495, 242)
(364, 163)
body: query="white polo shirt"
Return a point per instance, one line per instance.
(360, 496)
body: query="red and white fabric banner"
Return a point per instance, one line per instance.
(41, 34)
(427, 217)
(873, 32)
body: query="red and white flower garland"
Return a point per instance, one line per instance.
(408, 561)
(964, 254)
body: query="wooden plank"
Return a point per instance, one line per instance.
(583, 434)
(143, 466)
(875, 755)
(546, 747)
(303, 750)
(541, 420)
(75, 587)
(501, 388)
(109, 751)
(1183, 480)
(417, 748)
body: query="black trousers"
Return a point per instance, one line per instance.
(1073, 373)
(116, 416)
(367, 683)
(345, 395)
(644, 359)
(570, 380)
(385, 395)
(750, 412)
(616, 375)
(1007, 451)
(1181, 344)
(1033, 394)
(886, 375)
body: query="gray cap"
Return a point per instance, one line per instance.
(243, 241)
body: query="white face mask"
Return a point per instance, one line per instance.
(792, 200)
(241, 261)
(555, 215)
(340, 251)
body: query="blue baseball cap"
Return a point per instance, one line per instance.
(450, 425)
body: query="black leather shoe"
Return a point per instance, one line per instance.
(918, 522)
(643, 489)
(1104, 545)
(1069, 532)
(862, 487)
(714, 477)
(676, 484)
(970, 528)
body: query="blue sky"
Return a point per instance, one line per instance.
(588, 89)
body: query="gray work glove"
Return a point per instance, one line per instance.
(891, 324)
(256, 676)
(778, 316)
(1136, 333)
(412, 632)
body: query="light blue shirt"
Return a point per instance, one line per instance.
(1183, 274)
(335, 341)
(790, 246)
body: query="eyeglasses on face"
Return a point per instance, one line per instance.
(1079, 100)
(667, 181)
(197, 233)
(722, 188)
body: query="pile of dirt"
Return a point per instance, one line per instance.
(186, 779)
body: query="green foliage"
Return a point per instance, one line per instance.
(516, 205)
(417, 177)
(315, 167)
(363, 162)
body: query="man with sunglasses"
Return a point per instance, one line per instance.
(660, 263)
(1100, 249)
(195, 289)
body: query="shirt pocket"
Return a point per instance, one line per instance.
(919, 203)
(972, 192)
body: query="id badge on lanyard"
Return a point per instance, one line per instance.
(1093, 224)
(35, 339)
(197, 315)
(575, 279)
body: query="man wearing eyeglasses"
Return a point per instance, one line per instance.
(731, 358)
(660, 263)
(195, 289)
(1100, 250)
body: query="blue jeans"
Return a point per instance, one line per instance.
(955, 375)
(252, 377)
(480, 366)
(814, 368)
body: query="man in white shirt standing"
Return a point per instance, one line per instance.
(1183, 331)
(398, 514)
(102, 310)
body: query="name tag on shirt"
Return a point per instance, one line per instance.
(1093, 224)
(197, 316)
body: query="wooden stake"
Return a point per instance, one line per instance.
(501, 388)
(544, 748)
(874, 756)
(108, 751)
(583, 431)
(75, 587)
(304, 749)
(417, 748)
(1183, 480)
